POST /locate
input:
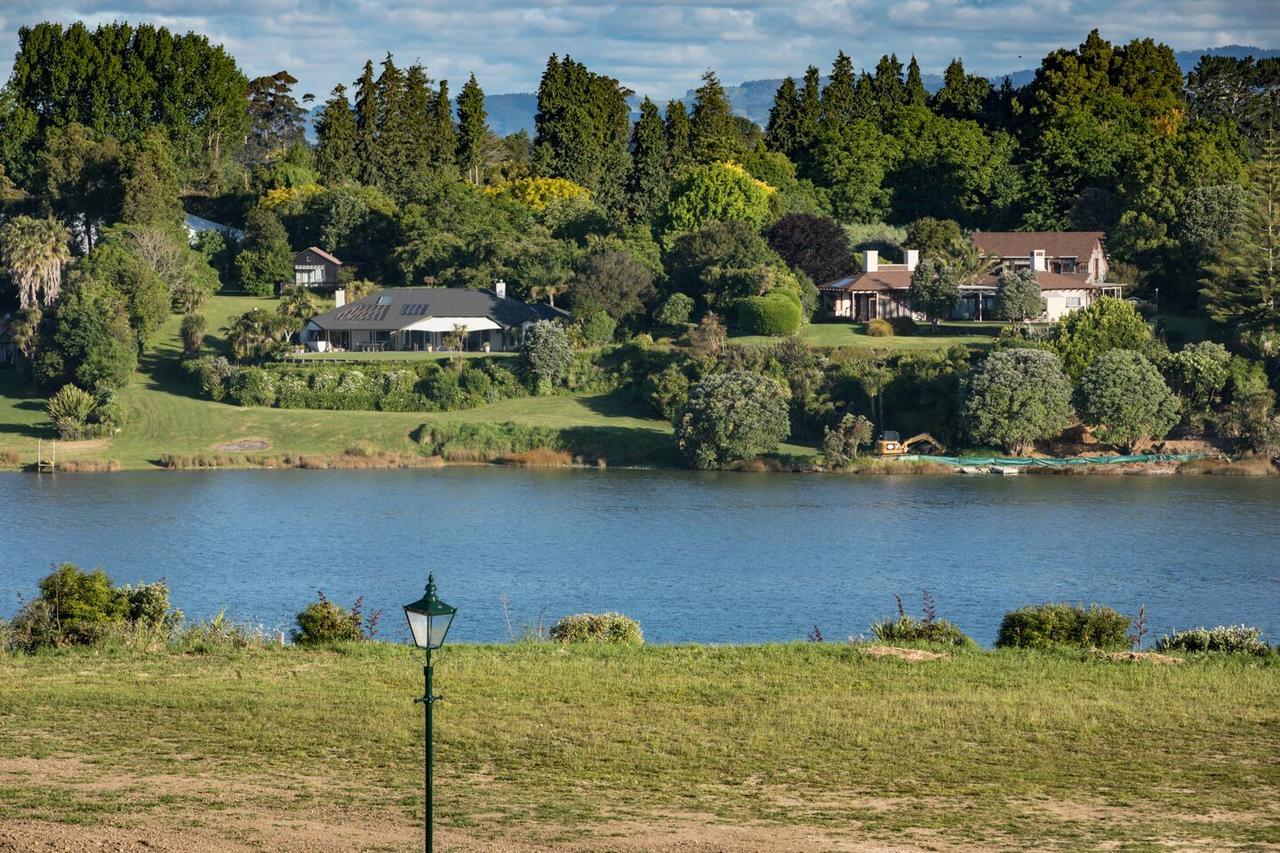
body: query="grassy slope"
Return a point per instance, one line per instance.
(853, 335)
(1003, 749)
(167, 416)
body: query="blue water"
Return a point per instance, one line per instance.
(721, 558)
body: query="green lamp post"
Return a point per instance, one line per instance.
(429, 620)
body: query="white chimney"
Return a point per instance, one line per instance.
(500, 288)
(1037, 260)
(339, 297)
(912, 257)
(871, 261)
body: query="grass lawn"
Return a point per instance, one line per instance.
(973, 335)
(789, 747)
(167, 415)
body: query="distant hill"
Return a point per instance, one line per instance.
(513, 112)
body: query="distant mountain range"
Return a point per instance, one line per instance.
(515, 111)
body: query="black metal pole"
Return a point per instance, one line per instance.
(428, 700)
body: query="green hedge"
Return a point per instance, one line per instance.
(1047, 625)
(778, 312)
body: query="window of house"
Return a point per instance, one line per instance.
(1073, 301)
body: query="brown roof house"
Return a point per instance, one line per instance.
(1070, 267)
(316, 268)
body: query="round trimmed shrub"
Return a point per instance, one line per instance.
(611, 628)
(880, 328)
(1045, 626)
(776, 313)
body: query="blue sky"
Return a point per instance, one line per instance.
(657, 48)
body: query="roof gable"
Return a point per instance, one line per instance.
(398, 307)
(321, 252)
(1054, 244)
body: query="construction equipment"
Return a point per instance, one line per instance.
(891, 444)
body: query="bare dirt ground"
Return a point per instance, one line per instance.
(241, 444)
(909, 655)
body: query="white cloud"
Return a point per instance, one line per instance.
(658, 47)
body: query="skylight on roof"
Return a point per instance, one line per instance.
(384, 300)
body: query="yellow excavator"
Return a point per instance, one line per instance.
(891, 444)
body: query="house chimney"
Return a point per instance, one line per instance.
(339, 297)
(871, 260)
(1037, 260)
(500, 288)
(912, 257)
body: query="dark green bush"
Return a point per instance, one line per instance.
(252, 386)
(880, 328)
(486, 441)
(778, 312)
(613, 628)
(903, 325)
(324, 621)
(1047, 625)
(1238, 639)
(80, 608)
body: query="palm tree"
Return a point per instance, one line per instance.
(33, 251)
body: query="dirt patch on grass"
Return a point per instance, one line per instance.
(909, 655)
(243, 444)
(1144, 657)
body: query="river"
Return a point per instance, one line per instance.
(719, 558)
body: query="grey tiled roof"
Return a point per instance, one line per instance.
(397, 307)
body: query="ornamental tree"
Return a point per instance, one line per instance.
(1107, 324)
(1125, 400)
(1015, 398)
(1199, 373)
(841, 444)
(717, 192)
(934, 289)
(816, 244)
(1018, 296)
(731, 416)
(546, 354)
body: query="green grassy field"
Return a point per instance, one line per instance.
(167, 415)
(789, 747)
(973, 335)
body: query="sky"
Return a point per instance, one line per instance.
(659, 47)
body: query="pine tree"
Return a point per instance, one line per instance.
(1242, 289)
(336, 139)
(473, 129)
(714, 132)
(679, 135)
(782, 132)
(395, 142)
(916, 96)
(810, 112)
(887, 84)
(367, 127)
(649, 180)
(419, 102)
(837, 97)
(441, 131)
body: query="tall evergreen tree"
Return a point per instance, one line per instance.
(962, 95)
(151, 185)
(783, 131)
(336, 139)
(473, 130)
(418, 104)
(916, 96)
(887, 84)
(443, 134)
(1242, 289)
(275, 116)
(395, 129)
(367, 127)
(714, 132)
(649, 180)
(837, 97)
(810, 112)
(679, 135)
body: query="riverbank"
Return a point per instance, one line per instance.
(539, 746)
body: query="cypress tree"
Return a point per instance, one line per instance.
(648, 182)
(367, 127)
(442, 133)
(679, 135)
(395, 145)
(417, 121)
(783, 131)
(916, 96)
(336, 139)
(887, 84)
(837, 97)
(583, 125)
(473, 130)
(714, 133)
(864, 98)
(810, 109)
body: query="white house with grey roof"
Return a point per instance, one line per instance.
(405, 319)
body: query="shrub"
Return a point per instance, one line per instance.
(486, 441)
(666, 390)
(928, 629)
(1237, 639)
(880, 328)
(1125, 399)
(1044, 626)
(323, 621)
(778, 312)
(840, 445)
(597, 328)
(612, 628)
(675, 311)
(1082, 336)
(192, 330)
(904, 325)
(731, 416)
(252, 386)
(70, 409)
(546, 354)
(80, 608)
(1015, 398)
